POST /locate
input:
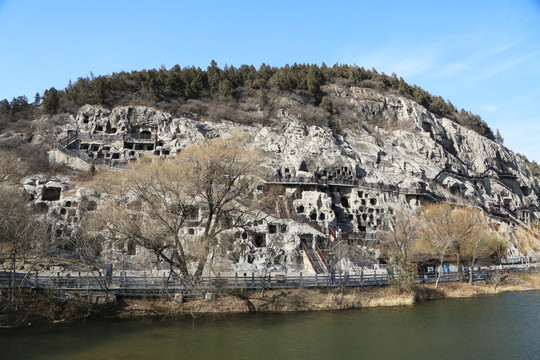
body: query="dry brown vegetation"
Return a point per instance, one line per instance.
(47, 305)
(459, 231)
(315, 299)
(154, 204)
(274, 301)
(42, 306)
(518, 282)
(323, 299)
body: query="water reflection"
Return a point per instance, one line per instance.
(490, 327)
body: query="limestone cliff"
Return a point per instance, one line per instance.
(354, 178)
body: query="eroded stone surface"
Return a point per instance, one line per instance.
(419, 158)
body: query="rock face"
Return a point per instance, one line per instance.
(51, 196)
(355, 180)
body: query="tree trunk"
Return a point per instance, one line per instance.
(439, 273)
(184, 270)
(460, 269)
(12, 276)
(179, 262)
(262, 283)
(471, 270)
(200, 266)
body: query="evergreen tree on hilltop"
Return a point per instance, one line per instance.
(51, 101)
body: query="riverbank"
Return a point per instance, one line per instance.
(322, 299)
(47, 307)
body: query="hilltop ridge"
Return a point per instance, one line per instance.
(195, 90)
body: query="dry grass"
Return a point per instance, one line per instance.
(331, 299)
(326, 299)
(273, 301)
(533, 279)
(42, 308)
(517, 282)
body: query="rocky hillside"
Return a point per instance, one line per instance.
(376, 156)
(411, 148)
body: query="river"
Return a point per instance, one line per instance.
(505, 326)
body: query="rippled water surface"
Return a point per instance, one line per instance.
(506, 326)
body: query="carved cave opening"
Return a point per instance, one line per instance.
(259, 240)
(51, 194)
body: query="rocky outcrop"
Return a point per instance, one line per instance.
(355, 180)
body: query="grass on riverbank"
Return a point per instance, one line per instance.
(288, 300)
(514, 282)
(43, 306)
(52, 306)
(324, 299)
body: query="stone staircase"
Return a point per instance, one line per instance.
(316, 259)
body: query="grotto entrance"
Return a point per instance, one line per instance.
(51, 194)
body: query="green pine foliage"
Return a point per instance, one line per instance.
(326, 104)
(162, 88)
(51, 101)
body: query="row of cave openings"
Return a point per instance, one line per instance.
(342, 173)
(368, 214)
(100, 129)
(258, 239)
(109, 130)
(100, 151)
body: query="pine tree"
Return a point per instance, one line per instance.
(51, 101)
(498, 138)
(314, 81)
(326, 104)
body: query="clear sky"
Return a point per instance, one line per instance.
(483, 56)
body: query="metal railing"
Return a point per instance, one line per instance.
(153, 284)
(114, 163)
(322, 257)
(314, 180)
(148, 284)
(310, 258)
(138, 137)
(101, 137)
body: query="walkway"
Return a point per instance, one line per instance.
(161, 285)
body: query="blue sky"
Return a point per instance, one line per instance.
(483, 56)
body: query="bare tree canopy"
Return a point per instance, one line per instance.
(11, 169)
(22, 236)
(450, 230)
(402, 236)
(178, 208)
(396, 245)
(481, 245)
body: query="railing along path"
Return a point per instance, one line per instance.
(138, 285)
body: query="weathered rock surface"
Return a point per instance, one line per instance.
(355, 180)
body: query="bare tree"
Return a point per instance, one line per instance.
(23, 238)
(11, 169)
(179, 208)
(358, 254)
(273, 251)
(445, 227)
(480, 245)
(497, 277)
(396, 244)
(88, 246)
(402, 235)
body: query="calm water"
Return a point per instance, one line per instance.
(506, 327)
